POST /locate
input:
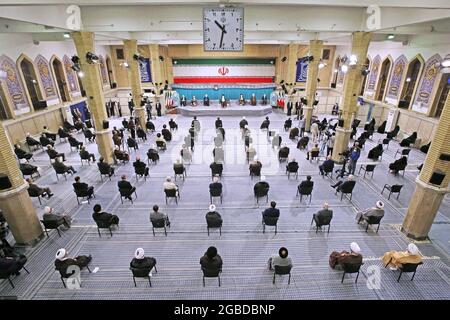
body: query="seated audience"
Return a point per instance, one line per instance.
(121, 155)
(283, 153)
(375, 152)
(83, 187)
(74, 142)
(215, 186)
(61, 167)
(44, 141)
(34, 189)
(323, 215)
(169, 185)
(141, 133)
(294, 133)
(85, 155)
(161, 140)
(53, 154)
(354, 257)
(152, 153)
(211, 261)
(31, 142)
(265, 124)
(63, 262)
(326, 166)
(157, 215)
(313, 149)
(396, 259)
(255, 166)
(398, 165)
(341, 184)
(166, 133)
(104, 167)
(48, 134)
(60, 219)
(140, 166)
(261, 186)
(292, 166)
(213, 217)
(140, 261)
(104, 217)
(22, 154)
(409, 140)
(216, 168)
(28, 169)
(276, 141)
(172, 124)
(303, 143)
(272, 211)
(281, 260)
(377, 211)
(125, 187)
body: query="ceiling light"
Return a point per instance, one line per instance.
(322, 64)
(125, 64)
(391, 36)
(81, 74)
(336, 70)
(353, 60)
(66, 35)
(344, 68)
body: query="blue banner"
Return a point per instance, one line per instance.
(146, 75)
(302, 70)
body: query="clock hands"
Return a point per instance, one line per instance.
(222, 27)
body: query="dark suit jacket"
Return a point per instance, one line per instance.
(213, 218)
(146, 263)
(104, 167)
(80, 186)
(211, 264)
(215, 186)
(306, 184)
(125, 185)
(259, 186)
(139, 165)
(271, 212)
(34, 189)
(102, 216)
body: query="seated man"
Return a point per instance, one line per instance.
(206, 100)
(150, 125)
(48, 134)
(287, 124)
(83, 187)
(68, 126)
(354, 257)
(178, 167)
(306, 184)
(194, 102)
(74, 142)
(323, 215)
(349, 183)
(53, 154)
(61, 167)
(425, 147)
(34, 189)
(261, 186)
(211, 261)
(185, 153)
(59, 219)
(283, 153)
(255, 166)
(22, 154)
(276, 141)
(313, 149)
(409, 140)
(153, 154)
(31, 141)
(375, 152)
(117, 139)
(140, 261)
(399, 164)
(161, 141)
(89, 133)
(265, 124)
(243, 123)
(156, 215)
(183, 101)
(303, 142)
(281, 260)
(63, 262)
(272, 211)
(44, 141)
(107, 218)
(28, 169)
(241, 100)
(121, 155)
(85, 155)
(218, 123)
(104, 167)
(12, 263)
(166, 133)
(326, 166)
(141, 133)
(126, 188)
(292, 166)
(253, 101)
(396, 259)
(132, 143)
(196, 124)
(213, 218)
(140, 166)
(216, 168)
(215, 187)
(169, 185)
(377, 211)
(172, 124)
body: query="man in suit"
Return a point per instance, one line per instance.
(166, 133)
(216, 168)
(213, 218)
(83, 187)
(158, 108)
(281, 260)
(306, 184)
(313, 149)
(48, 134)
(343, 184)
(215, 187)
(161, 140)
(58, 165)
(272, 211)
(292, 165)
(206, 100)
(31, 141)
(126, 187)
(326, 166)
(377, 211)
(105, 217)
(157, 215)
(289, 106)
(22, 154)
(74, 142)
(140, 166)
(255, 166)
(105, 167)
(218, 123)
(60, 219)
(265, 124)
(53, 154)
(323, 215)
(35, 189)
(44, 141)
(84, 154)
(140, 261)
(173, 125)
(283, 153)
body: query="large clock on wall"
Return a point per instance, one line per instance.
(223, 29)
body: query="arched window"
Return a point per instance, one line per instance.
(442, 94)
(383, 78)
(364, 79)
(31, 81)
(413, 74)
(58, 70)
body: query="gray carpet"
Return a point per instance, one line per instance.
(243, 246)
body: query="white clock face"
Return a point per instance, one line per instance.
(223, 29)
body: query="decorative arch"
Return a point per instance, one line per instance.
(30, 79)
(373, 75)
(110, 70)
(48, 83)
(59, 74)
(71, 76)
(395, 82)
(423, 95)
(15, 90)
(383, 78)
(413, 73)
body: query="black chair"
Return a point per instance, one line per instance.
(161, 145)
(29, 172)
(180, 171)
(83, 194)
(314, 155)
(216, 172)
(126, 193)
(292, 169)
(402, 168)
(74, 144)
(213, 193)
(327, 171)
(153, 157)
(321, 223)
(64, 275)
(367, 168)
(172, 193)
(6, 275)
(50, 225)
(140, 172)
(386, 143)
(132, 144)
(88, 135)
(208, 273)
(62, 135)
(33, 194)
(408, 268)
(214, 225)
(103, 225)
(105, 173)
(403, 152)
(260, 194)
(351, 268)
(255, 172)
(395, 188)
(372, 220)
(159, 224)
(142, 273)
(270, 221)
(282, 270)
(348, 190)
(86, 158)
(304, 192)
(60, 171)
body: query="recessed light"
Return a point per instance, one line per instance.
(391, 36)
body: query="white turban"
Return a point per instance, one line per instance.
(139, 253)
(255, 158)
(47, 209)
(355, 247)
(212, 207)
(380, 205)
(243, 117)
(60, 254)
(412, 248)
(263, 178)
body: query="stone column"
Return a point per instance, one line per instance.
(15, 202)
(427, 197)
(134, 77)
(156, 64)
(292, 62)
(92, 83)
(352, 87)
(315, 50)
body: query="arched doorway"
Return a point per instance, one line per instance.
(441, 94)
(58, 71)
(31, 81)
(364, 79)
(109, 68)
(383, 78)
(413, 73)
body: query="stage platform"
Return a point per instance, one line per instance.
(233, 110)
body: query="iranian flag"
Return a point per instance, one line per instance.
(223, 70)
